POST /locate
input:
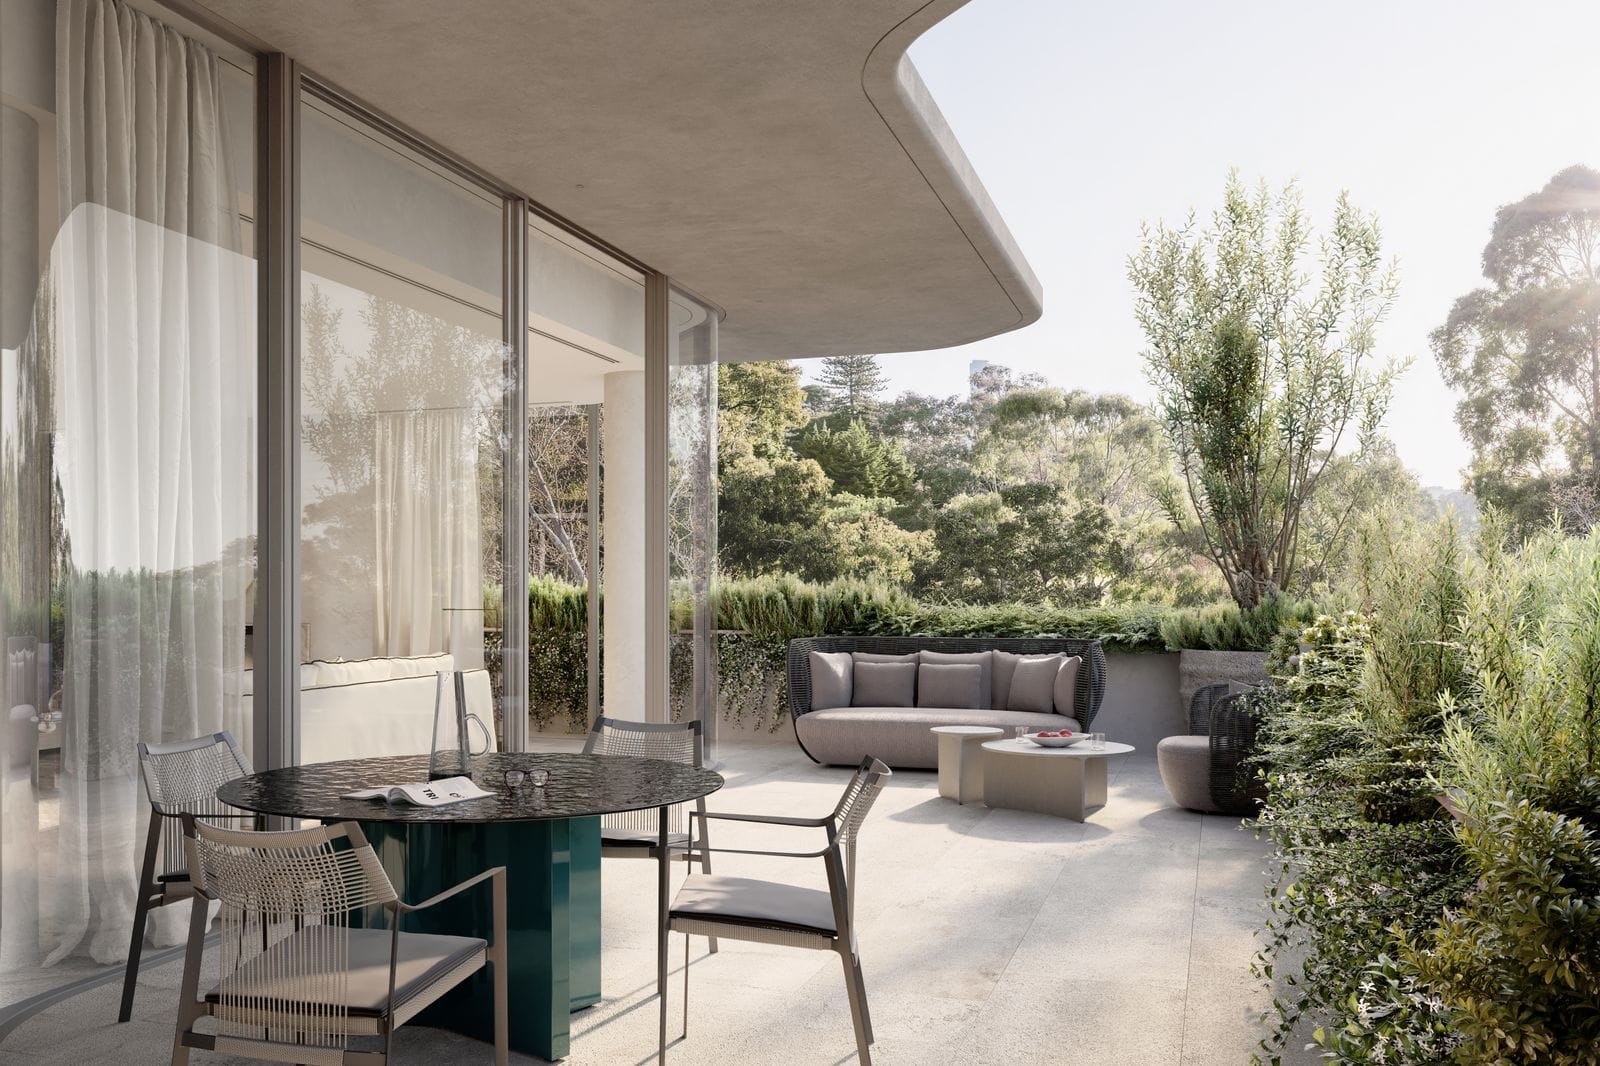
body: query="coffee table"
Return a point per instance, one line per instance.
(960, 769)
(1066, 782)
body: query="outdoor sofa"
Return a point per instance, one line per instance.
(841, 724)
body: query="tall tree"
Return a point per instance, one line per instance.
(1524, 352)
(1261, 376)
(853, 384)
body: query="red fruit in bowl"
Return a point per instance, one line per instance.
(1050, 733)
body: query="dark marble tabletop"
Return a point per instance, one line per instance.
(580, 786)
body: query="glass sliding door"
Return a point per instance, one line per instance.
(692, 504)
(585, 482)
(402, 441)
(127, 442)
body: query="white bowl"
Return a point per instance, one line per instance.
(1057, 742)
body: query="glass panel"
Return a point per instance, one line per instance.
(127, 481)
(692, 503)
(585, 366)
(401, 443)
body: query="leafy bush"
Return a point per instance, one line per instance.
(1472, 674)
(1518, 962)
(1364, 854)
(1227, 627)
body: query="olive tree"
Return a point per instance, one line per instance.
(1261, 353)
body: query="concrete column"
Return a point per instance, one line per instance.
(623, 546)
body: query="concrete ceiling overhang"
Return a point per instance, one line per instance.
(782, 159)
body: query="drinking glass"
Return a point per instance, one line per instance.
(1021, 732)
(1097, 741)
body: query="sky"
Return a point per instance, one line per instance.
(1085, 118)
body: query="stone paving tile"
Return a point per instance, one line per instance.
(986, 937)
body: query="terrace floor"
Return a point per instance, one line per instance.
(987, 936)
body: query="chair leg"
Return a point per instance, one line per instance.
(861, 990)
(663, 865)
(141, 912)
(858, 1009)
(502, 1027)
(686, 986)
(190, 1009)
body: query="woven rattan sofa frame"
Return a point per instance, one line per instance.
(1091, 680)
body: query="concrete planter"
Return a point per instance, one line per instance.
(1200, 668)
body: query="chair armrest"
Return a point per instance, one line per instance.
(409, 908)
(772, 819)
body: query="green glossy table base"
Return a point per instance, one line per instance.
(552, 918)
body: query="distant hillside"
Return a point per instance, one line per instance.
(1462, 502)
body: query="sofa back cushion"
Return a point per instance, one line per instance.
(1066, 689)
(878, 657)
(830, 679)
(883, 684)
(983, 660)
(1033, 684)
(957, 685)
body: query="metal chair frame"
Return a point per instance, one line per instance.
(643, 733)
(192, 1008)
(842, 827)
(165, 837)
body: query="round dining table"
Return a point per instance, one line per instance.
(547, 838)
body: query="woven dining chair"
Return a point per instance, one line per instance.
(636, 834)
(300, 981)
(179, 778)
(773, 912)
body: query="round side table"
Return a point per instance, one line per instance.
(960, 768)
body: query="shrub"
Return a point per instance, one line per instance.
(1364, 855)
(1227, 627)
(1518, 962)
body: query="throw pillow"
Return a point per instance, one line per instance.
(1067, 686)
(983, 660)
(950, 685)
(883, 685)
(830, 679)
(1033, 684)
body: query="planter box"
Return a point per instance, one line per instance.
(1199, 668)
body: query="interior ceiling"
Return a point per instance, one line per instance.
(780, 159)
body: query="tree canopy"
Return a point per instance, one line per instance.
(1523, 351)
(1261, 374)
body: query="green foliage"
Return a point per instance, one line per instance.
(1364, 856)
(857, 462)
(852, 385)
(1259, 377)
(1518, 962)
(1228, 627)
(1524, 353)
(1471, 670)
(558, 654)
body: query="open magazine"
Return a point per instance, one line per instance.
(438, 793)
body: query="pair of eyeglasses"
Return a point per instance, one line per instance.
(538, 778)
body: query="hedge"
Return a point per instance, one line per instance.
(757, 618)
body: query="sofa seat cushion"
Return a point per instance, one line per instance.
(901, 736)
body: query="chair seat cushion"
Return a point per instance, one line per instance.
(612, 837)
(901, 736)
(423, 960)
(747, 901)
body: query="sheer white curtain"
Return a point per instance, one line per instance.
(152, 338)
(428, 572)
